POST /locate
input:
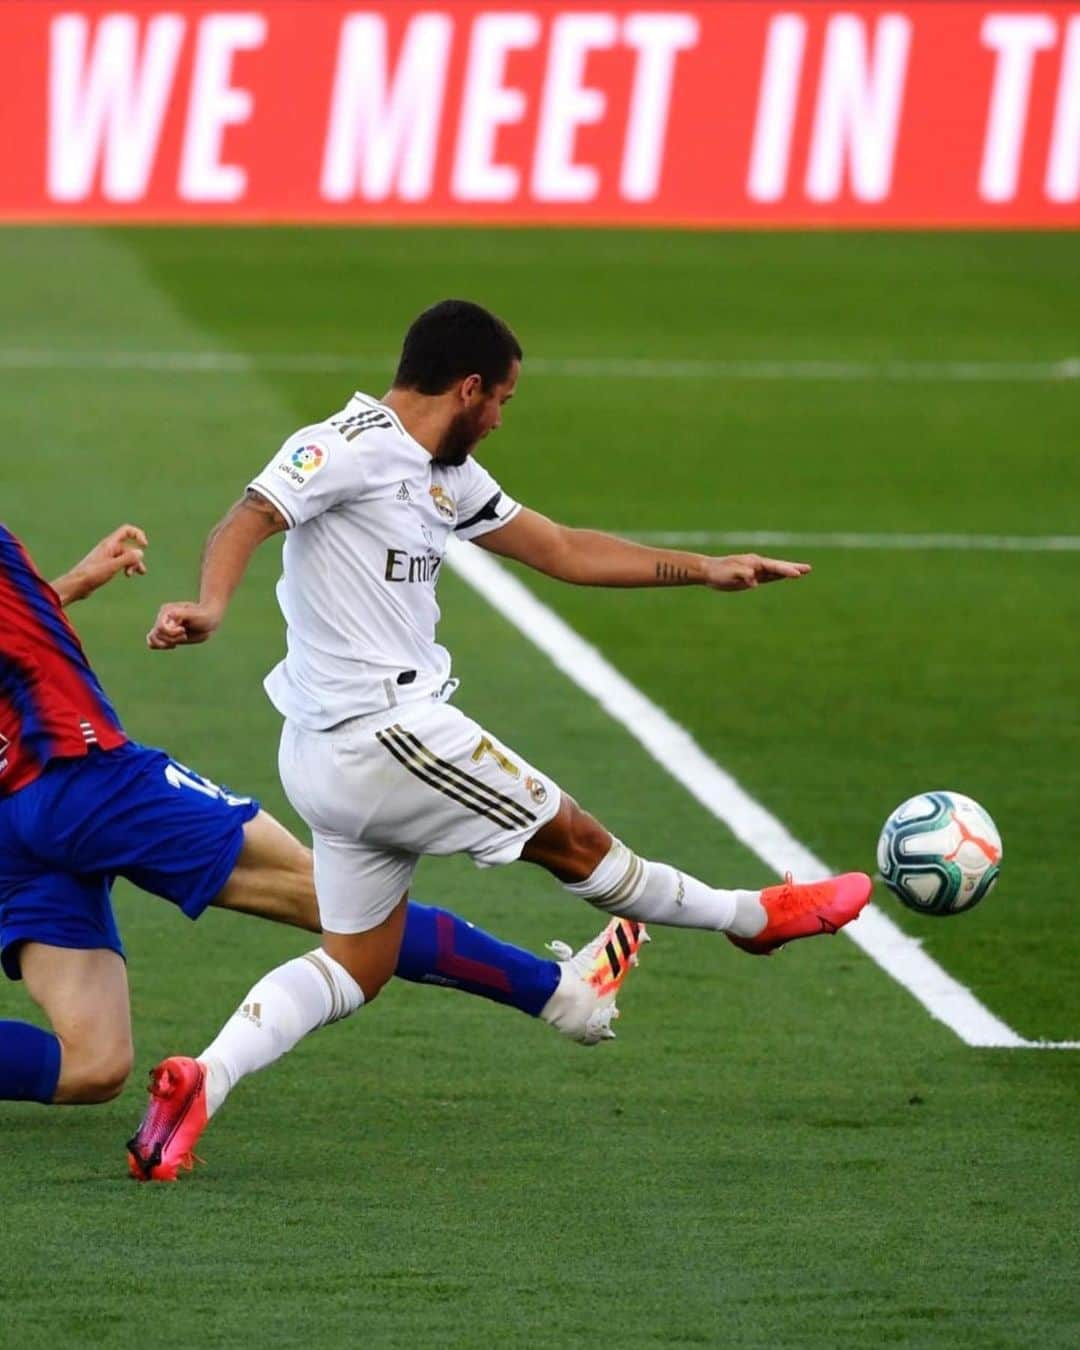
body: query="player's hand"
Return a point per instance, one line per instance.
(745, 571)
(182, 624)
(120, 551)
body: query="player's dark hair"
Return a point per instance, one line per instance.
(451, 340)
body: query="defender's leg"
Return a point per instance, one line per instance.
(84, 994)
(273, 877)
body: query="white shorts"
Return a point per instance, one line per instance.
(381, 791)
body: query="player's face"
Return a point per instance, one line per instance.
(481, 415)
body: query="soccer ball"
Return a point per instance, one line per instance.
(940, 853)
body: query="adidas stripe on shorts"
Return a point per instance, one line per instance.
(381, 791)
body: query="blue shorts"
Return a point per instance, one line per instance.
(131, 812)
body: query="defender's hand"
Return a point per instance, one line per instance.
(120, 551)
(744, 571)
(182, 623)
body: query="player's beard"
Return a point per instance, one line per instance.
(458, 440)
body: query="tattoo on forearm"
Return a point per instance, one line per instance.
(671, 574)
(250, 501)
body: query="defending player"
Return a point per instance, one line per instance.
(81, 803)
(373, 755)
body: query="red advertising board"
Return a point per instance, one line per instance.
(951, 113)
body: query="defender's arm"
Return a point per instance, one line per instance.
(226, 554)
(120, 551)
(590, 558)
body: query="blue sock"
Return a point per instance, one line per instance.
(29, 1063)
(440, 948)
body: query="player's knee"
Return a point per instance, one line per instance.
(95, 1076)
(571, 846)
(109, 1072)
(370, 958)
(374, 984)
(105, 1086)
(372, 975)
(587, 843)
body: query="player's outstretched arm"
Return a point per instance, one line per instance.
(590, 558)
(119, 551)
(226, 554)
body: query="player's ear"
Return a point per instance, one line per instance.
(472, 388)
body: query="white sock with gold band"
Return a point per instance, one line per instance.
(276, 1014)
(653, 892)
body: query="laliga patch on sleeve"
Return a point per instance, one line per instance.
(299, 467)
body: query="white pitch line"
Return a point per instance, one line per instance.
(675, 750)
(600, 367)
(846, 539)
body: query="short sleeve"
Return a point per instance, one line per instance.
(312, 472)
(482, 505)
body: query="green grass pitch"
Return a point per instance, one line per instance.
(784, 1153)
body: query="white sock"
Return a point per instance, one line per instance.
(276, 1014)
(653, 892)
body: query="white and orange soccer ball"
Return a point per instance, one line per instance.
(940, 853)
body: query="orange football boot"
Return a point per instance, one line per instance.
(801, 910)
(176, 1116)
(583, 1004)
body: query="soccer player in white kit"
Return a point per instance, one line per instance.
(375, 757)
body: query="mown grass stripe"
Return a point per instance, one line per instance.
(571, 367)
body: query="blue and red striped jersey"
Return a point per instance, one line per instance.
(51, 704)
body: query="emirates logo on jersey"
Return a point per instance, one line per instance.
(402, 566)
(4, 743)
(444, 503)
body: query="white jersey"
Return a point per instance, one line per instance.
(369, 513)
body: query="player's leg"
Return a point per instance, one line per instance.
(363, 865)
(292, 1000)
(84, 994)
(362, 901)
(593, 864)
(192, 842)
(446, 786)
(361, 892)
(484, 799)
(362, 897)
(58, 933)
(323, 986)
(29, 1063)
(461, 789)
(190, 831)
(578, 851)
(273, 879)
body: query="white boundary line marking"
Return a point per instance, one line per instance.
(585, 367)
(675, 750)
(847, 539)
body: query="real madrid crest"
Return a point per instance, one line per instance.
(444, 503)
